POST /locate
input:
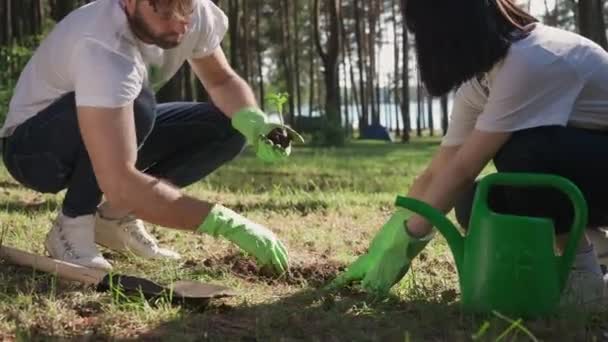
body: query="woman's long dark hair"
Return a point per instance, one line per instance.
(457, 40)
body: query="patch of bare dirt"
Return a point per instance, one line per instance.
(313, 274)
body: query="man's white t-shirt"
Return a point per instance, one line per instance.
(550, 77)
(94, 53)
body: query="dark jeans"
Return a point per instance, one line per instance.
(180, 141)
(574, 153)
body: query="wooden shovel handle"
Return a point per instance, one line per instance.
(60, 268)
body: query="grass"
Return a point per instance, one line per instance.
(325, 205)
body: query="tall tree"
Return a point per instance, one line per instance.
(364, 118)
(444, 114)
(258, 47)
(233, 29)
(405, 78)
(61, 8)
(287, 56)
(330, 58)
(296, 56)
(396, 80)
(591, 21)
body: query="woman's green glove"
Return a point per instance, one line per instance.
(253, 124)
(253, 238)
(388, 259)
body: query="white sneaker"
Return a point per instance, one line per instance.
(129, 234)
(73, 240)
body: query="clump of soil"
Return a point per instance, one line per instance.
(315, 274)
(279, 137)
(88, 309)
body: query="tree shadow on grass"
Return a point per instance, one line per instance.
(313, 315)
(26, 295)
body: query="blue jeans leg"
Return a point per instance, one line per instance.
(180, 142)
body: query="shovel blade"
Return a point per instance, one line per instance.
(180, 292)
(193, 289)
(131, 286)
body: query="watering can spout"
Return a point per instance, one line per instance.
(438, 220)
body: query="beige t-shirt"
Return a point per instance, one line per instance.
(550, 77)
(94, 53)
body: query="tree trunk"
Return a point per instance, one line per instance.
(8, 22)
(347, 52)
(444, 114)
(371, 66)
(311, 74)
(258, 47)
(61, 8)
(286, 56)
(330, 59)
(245, 38)
(233, 15)
(396, 56)
(420, 106)
(296, 60)
(405, 79)
(591, 21)
(431, 120)
(364, 119)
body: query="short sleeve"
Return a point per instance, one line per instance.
(213, 26)
(531, 91)
(468, 104)
(102, 77)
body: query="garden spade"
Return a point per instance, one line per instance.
(180, 292)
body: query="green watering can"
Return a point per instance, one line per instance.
(505, 262)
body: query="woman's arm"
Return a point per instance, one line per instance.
(439, 162)
(459, 172)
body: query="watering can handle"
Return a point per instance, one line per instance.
(449, 231)
(543, 180)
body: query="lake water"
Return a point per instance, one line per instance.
(389, 113)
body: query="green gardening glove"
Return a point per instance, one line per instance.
(253, 124)
(388, 258)
(253, 238)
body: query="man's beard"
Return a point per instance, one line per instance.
(144, 32)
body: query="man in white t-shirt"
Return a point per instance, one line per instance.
(83, 118)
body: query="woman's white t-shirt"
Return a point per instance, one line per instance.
(94, 53)
(550, 77)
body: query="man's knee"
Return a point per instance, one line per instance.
(144, 110)
(236, 143)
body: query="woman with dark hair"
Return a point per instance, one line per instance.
(530, 97)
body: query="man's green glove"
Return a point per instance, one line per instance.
(388, 258)
(254, 125)
(253, 238)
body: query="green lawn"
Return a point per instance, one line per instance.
(325, 205)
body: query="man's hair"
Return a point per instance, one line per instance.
(177, 7)
(457, 40)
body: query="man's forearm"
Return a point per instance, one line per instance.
(232, 95)
(160, 203)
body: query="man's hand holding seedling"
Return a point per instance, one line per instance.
(271, 142)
